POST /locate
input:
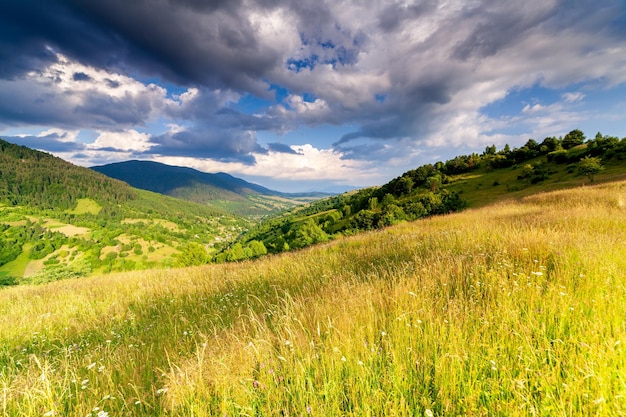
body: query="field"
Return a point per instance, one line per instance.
(514, 309)
(486, 186)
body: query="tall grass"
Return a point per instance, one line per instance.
(515, 309)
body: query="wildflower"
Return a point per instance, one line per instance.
(309, 410)
(428, 413)
(103, 413)
(343, 358)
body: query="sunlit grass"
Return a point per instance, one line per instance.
(19, 264)
(86, 205)
(515, 309)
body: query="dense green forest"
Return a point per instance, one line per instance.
(58, 220)
(40, 180)
(435, 189)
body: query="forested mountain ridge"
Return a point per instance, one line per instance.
(58, 220)
(166, 179)
(218, 190)
(38, 179)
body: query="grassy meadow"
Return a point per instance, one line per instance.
(516, 309)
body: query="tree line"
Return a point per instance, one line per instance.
(40, 180)
(418, 193)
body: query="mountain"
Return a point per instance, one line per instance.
(219, 190)
(61, 220)
(170, 180)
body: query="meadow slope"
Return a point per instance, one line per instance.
(514, 309)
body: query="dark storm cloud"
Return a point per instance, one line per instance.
(29, 28)
(114, 111)
(46, 104)
(281, 148)
(393, 15)
(48, 143)
(204, 43)
(225, 146)
(497, 27)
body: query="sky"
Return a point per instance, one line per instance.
(303, 95)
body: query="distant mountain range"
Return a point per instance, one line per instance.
(221, 189)
(173, 180)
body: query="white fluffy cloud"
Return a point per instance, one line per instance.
(308, 163)
(129, 140)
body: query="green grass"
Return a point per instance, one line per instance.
(17, 267)
(486, 186)
(255, 206)
(515, 309)
(86, 205)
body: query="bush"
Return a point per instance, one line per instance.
(7, 280)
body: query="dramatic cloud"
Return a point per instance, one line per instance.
(280, 148)
(224, 146)
(400, 81)
(68, 94)
(53, 140)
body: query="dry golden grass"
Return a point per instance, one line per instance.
(515, 309)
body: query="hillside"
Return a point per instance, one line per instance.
(217, 190)
(513, 309)
(464, 181)
(61, 220)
